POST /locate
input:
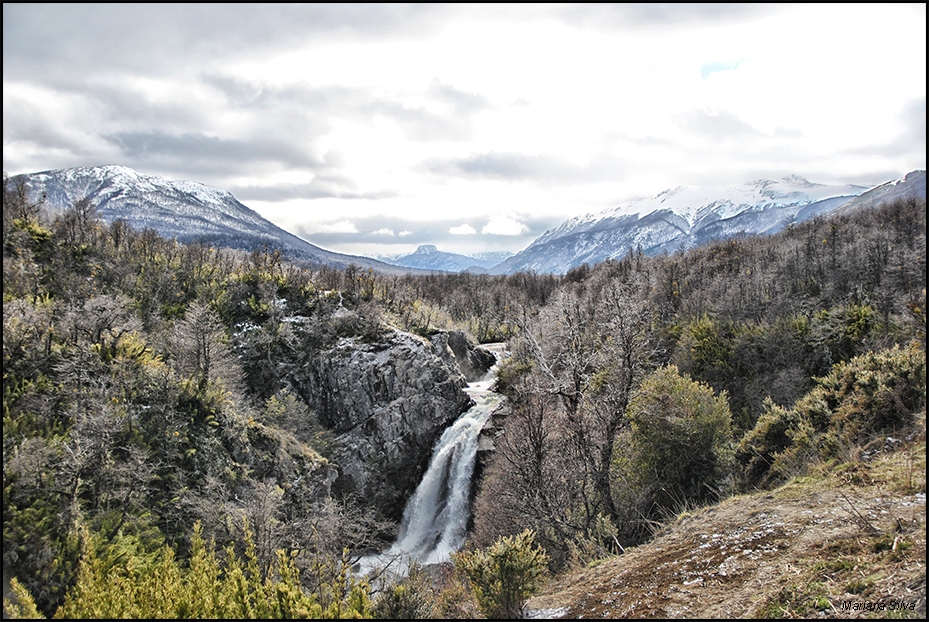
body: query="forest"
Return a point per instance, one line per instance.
(153, 435)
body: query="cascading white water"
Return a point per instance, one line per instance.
(436, 516)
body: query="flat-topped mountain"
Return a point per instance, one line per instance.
(428, 257)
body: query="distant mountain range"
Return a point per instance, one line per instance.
(185, 210)
(428, 257)
(675, 219)
(688, 216)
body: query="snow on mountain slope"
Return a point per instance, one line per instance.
(185, 210)
(700, 204)
(913, 184)
(683, 217)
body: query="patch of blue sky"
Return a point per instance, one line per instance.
(716, 66)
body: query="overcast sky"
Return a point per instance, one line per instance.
(375, 128)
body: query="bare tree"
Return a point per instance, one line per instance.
(202, 349)
(591, 346)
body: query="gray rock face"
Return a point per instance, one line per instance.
(473, 361)
(388, 402)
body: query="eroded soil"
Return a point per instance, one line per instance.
(858, 536)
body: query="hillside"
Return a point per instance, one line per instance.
(155, 390)
(854, 535)
(689, 216)
(187, 211)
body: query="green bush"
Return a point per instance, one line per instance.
(22, 606)
(510, 372)
(871, 395)
(706, 348)
(835, 334)
(681, 441)
(504, 575)
(858, 403)
(770, 437)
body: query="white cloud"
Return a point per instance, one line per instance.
(464, 229)
(504, 225)
(405, 233)
(343, 226)
(384, 231)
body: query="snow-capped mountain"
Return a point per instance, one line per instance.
(911, 185)
(185, 210)
(681, 218)
(428, 257)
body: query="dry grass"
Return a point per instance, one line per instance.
(852, 534)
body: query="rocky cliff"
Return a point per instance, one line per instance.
(388, 400)
(472, 361)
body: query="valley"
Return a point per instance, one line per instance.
(251, 425)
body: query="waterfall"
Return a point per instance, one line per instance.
(435, 520)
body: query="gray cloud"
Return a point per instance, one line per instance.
(422, 125)
(505, 166)
(542, 168)
(910, 142)
(317, 103)
(22, 122)
(914, 117)
(68, 39)
(209, 154)
(127, 116)
(913, 138)
(247, 94)
(116, 103)
(463, 102)
(237, 92)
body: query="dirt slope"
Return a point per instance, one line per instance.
(815, 547)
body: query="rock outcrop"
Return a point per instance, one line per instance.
(473, 361)
(387, 400)
(487, 442)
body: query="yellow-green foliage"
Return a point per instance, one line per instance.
(871, 394)
(510, 371)
(771, 436)
(707, 344)
(857, 403)
(23, 606)
(504, 575)
(120, 580)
